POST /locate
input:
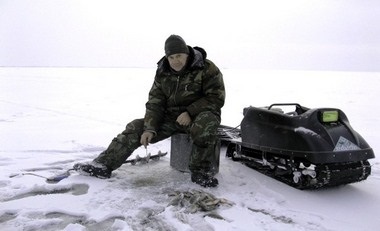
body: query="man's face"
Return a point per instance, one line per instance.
(177, 61)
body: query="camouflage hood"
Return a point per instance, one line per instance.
(197, 57)
(199, 87)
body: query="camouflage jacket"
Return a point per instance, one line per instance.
(198, 88)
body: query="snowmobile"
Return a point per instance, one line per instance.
(304, 148)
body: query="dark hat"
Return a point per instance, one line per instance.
(174, 45)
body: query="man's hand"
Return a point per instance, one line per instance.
(184, 119)
(146, 137)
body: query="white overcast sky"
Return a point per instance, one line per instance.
(264, 34)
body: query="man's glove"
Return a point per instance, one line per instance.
(146, 137)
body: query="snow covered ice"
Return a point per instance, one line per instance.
(52, 118)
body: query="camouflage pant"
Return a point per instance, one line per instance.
(202, 132)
